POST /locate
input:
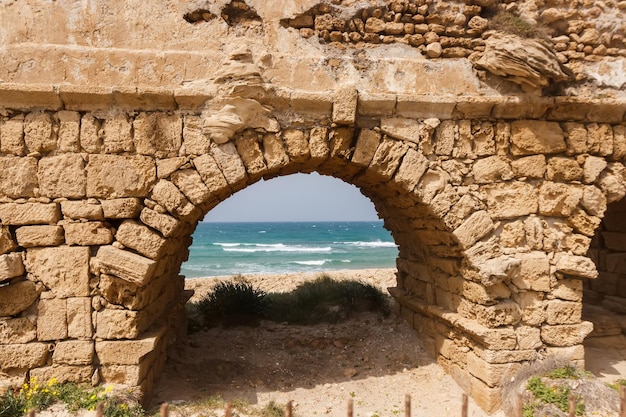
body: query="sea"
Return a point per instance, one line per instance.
(220, 249)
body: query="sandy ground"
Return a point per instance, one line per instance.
(373, 360)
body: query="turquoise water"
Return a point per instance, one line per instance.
(271, 248)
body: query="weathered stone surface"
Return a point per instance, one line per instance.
(87, 233)
(563, 312)
(64, 373)
(63, 270)
(366, 146)
(565, 334)
(90, 134)
(169, 196)
(530, 137)
(117, 134)
(529, 167)
(211, 174)
(593, 201)
(274, 152)
(18, 177)
(533, 308)
(126, 265)
(410, 171)
(528, 337)
(39, 135)
(297, 145)
(579, 266)
(563, 170)
(17, 297)
(534, 272)
(230, 164)
(387, 158)
(141, 238)
(69, 131)
(164, 223)
(62, 176)
(23, 355)
(490, 374)
(74, 352)
(81, 209)
(29, 236)
(117, 324)
(7, 243)
(113, 176)
(583, 223)
(505, 201)
(128, 352)
(19, 330)
(12, 136)
(491, 169)
(189, 182)
(593, 167)
(556, 199)
(79, 325)
(29, 213)
(195, 142)
(474, 228)
(52, 319)
(121, 208)
(11, 266)
(251, 153)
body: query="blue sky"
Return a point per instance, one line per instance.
(297, 197)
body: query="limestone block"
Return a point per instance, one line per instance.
(90, 134)
(63, 373)
(18, 177)
(165, 167)
(569, 289)
(17, 297)
(73, 352)
(565, 334)
(64, 270)
(593, 166)
(7, 243)
(141, 238)
(480, 294)
(274, 152)
(62, 176)
(366, 146)
(583, 223)
(79, 324)
(466, 205)
(387, 157)
(533, 166)
(69, 131)
(189, 182)
(504, 356)
(600, 139)
(491, 169)
(411, 170)
(251, 154)
(167, 195)
(432, 182)
(118, 324)
(619, 142)
(19, 330)
(486, 397)
(474, 228)
(121, 208)
(29, 236)
(129, 352)
(195, 142)
(52, 319)
(297, 145)
(39, 134)
(533, 308)
(528, 337)
(11, 266)
(559, 200)
(117, 134)
(113, 176)
(563, 170)
(29, 213)
(340, 142)
(164, 223)
(534, 272)
(572, 353)
(579, 266)
(612, 185)
(318, 143)
(144, 128)
(510, 200)
(491, 374)
(82, 209)
(230, 164)
(575, 138)
(344, 105)
(493, 339)
(531, 137)
(593, 201)
(124, 374)
(12, 136)
(87, 233)
(121, 292)
(129, 266)
(168, 134)
(212, 175)
(563, 312)
(23, 355)
(513, 235)
(501, 314)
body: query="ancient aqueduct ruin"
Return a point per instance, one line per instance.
(490, 136)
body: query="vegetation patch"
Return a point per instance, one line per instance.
(74, 397)
(509, 23)
(237, 302)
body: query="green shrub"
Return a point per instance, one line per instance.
(233, 304)
(509, 23)
(272, 410)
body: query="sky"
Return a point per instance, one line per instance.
(297, 197)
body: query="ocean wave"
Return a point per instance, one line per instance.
(374, 244)
(226, 245)
(279, 247)
(312, 263)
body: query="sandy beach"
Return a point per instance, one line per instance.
(373, 360)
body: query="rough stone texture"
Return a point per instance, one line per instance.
(18, 177)
(127, 265)
(530, 137)
(11, 266)
(141, 238)
(63, 270)
(112, 176)
(29, 213)
(62, 176)
(82, 210)
(17, 297)
(52, 319)
(87, 233)
(74, 352)
(29, 236)
(121, 208)
(7, 243)
(19, 330)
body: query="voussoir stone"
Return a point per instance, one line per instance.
(87, 233)
(115, 176)
(129, 266)
(141, 238)
(530, 137)
(64, 269)
(17, 297)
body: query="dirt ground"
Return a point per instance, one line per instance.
(373, 360)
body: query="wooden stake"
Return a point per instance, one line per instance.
(163, 411)
(228, 412)
(350, 408)
(100, 410)
(289, 409)
(407, 405)
(622, 394)
(464, 406)
(572, 405)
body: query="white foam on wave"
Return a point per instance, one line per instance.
(374, 244)
(279, 247)
(312, 263)
(227, 245)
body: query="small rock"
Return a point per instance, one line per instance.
(350, 372)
